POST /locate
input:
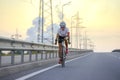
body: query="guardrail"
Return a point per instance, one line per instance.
(21, 51)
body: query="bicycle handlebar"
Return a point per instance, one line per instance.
(66, 38)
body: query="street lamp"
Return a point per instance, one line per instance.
(63, 6)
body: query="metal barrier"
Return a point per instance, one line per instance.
(20, 52)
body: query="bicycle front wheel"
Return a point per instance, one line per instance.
(63, 57)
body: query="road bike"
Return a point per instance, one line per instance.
(63, 53)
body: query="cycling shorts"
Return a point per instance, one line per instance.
(60, 39)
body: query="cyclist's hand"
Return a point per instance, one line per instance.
(55, 41)
(69, 41)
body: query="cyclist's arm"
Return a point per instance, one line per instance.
(68, 35)
(57, 35)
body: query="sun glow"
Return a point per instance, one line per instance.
(100, 17)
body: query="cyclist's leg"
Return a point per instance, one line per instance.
(60, 48)
(66, 44)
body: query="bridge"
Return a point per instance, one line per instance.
(33, 61)
(28, 55)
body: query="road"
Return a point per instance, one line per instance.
(93, 66)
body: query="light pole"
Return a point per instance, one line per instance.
(63, 7)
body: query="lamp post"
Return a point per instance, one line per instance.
(63, 7)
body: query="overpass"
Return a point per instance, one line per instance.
(29, 55)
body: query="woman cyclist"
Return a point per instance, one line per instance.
(62, 33)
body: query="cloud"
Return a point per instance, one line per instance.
(48, 33)
(33, 32)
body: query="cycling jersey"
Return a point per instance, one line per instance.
(64, 32)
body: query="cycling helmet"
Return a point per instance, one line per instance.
(62, 24)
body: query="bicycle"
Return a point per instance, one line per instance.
(63, 53)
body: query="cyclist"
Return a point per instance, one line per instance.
(62, 33)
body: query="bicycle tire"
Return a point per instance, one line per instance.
(63, 57)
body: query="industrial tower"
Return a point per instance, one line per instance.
(45, 12)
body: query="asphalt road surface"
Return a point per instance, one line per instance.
(93, 66)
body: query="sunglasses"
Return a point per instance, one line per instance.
(62, 26)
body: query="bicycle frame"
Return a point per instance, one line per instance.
(63, 53)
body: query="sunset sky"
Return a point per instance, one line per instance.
(100, 17)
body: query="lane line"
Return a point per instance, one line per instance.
(115, 56)
(46, 69)
(37, 72)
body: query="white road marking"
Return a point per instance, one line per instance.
(115, 56)
(46, 69)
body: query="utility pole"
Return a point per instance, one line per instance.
(78, 35)
(16, 35)
(42, 21)
(73, 25)
(71, 29)
(85, 40)
(52, 22)
(78, 29)
(88, 44)
(47, 19)
(39, 23)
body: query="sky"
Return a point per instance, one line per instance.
(100, 18)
